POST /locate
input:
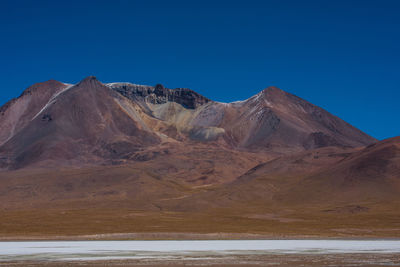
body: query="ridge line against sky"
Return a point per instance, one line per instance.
(340, 55)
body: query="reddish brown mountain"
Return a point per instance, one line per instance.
(93, 123)
(185, 162)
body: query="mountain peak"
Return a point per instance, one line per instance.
(272, 90)
(45, 85)
(91, 77)
(90, 81)
(41, 88)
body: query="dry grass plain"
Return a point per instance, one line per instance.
(217, 224)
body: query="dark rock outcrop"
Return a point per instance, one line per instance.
(160, 95)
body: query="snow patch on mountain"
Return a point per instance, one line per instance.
(53, 98)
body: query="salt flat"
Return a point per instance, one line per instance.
(111, 250)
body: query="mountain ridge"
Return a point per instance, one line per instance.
(272, 121)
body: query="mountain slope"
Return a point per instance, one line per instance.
(371, 173)
(322, 177)
(83, 124)
(290, 196)
(17, 113)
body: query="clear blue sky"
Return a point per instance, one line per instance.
(341, 55)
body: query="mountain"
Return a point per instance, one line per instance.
(94, 157)
(93, 123)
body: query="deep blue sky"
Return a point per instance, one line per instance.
(341, 55)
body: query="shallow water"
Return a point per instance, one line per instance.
(106, 250)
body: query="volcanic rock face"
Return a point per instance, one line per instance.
(160, 95)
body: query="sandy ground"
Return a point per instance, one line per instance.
(238, 261)
(186, 236)
(169, 236)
